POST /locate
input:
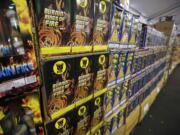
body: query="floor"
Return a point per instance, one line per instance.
(164, 115)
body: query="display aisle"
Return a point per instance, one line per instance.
(163, 118)
(77, 67)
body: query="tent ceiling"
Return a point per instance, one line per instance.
(152, 9)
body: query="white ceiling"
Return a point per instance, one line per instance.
(153, 9)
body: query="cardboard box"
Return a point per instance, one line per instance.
(101, 24)
(114, 123)
(64, 124)
(54, 22)
(82, 26)
(59, 85)
(83, 115)
(18, 67)
(113, 68)
(129, 62)
(121, 130)
(97, 110)
(21, 114)
(100, 67)
(124, 91)
(144, 107)
(117, 94)
(107, 127)
(126, 28)
(99, 130)
(122, 65)
(132, 120)
(116, 25)
(134, 34)
(121, 118)
(83, 77)
(108, 102)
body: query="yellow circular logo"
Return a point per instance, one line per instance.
(102, 7)
(102, 59)
(60, 123)
(82, 110)
(84, 62)
(82, 3)
(98, 101)
(59, 67)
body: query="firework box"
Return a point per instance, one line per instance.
(83, 78)
(122, 65)
(82, 26)
(126, 29)
(97, 110)
(113, 68)
(59, 85)
(83, 115)
(134, 30)
(53, 20)
(98, 129)
(144, 107)
(114, 123)
(116, 94)
(116, 25)
(100, 67)
(129, 62)
(121, 118)
(107, 127)
(18, 68)
(21, 114)
(108, 102)
(101, 24)
(135, 64)
(64, 124)
(124, 91)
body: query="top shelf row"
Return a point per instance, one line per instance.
(60, 27)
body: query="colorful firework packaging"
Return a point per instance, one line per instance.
(113, 67)
(53, 19)
(116, 25)
(129, 62)
(126, 28)
(100, 66)
(83, 77)
(59, 84)
(101, 24)
(98, 131)
(17, 56)
(108, 102)
(116, 94)
(125, 90)
(83, 118)
(97, 110)
(63, 125)
(107, 127)
(122, 65)
(114, 123)
(134, 30)
(21, 115)
(121, 118)
(82, 26)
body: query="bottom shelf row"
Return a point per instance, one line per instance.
(22, 115)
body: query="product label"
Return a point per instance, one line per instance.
(54, 20)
